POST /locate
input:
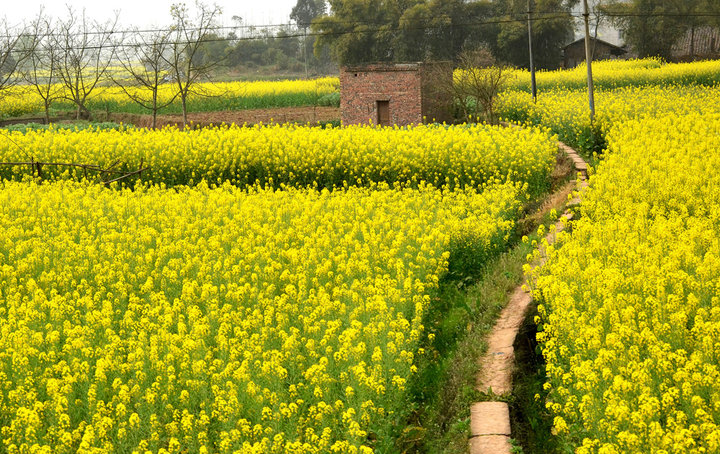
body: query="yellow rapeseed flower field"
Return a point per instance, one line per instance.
(457, 156)
(630, 309)
(213, 96)
(206, 96)
(222, 320)
(566, 112)
(264, 290)
(609, 74)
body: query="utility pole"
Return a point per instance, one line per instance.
(304, 45)
(532, 64)
(588, 61)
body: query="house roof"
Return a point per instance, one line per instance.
(382, 67)
(600, 41)
(389, 66)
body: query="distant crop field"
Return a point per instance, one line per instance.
(325, 91)
(566, 112)
(21, 100)
(610, 74)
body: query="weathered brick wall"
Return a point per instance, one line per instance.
(437, 79)
(362, 87)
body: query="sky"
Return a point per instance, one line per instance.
(143, 13)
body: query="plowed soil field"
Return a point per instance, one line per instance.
(307, 114)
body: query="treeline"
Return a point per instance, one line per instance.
(652, 27)
(413, 30)
(285, 49)
(359, 31)
(292, 47)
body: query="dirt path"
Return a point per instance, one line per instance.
(490, 421)
(308, 114)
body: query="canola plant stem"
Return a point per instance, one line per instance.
(127, 175)
(67, 164)
(37, 165)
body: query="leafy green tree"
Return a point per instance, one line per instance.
(303, 13)
(213, 50)
(651, 27)
(412, 38)
(553, 27)
(360, 31)
(712, 7)
(455, 26)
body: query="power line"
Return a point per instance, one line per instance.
(254, 28)
(323, 33)
(676, 15)
(496, 20)
(265, 28)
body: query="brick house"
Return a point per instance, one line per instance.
(395, 94)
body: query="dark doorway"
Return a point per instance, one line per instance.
(383, 113)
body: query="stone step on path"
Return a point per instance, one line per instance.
(579, 163)
(491, 431)
(490, 421)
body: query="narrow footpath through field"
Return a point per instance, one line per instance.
(490, 420)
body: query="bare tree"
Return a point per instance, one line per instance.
(40, 70)
(13, 53)
(477, 84)
(145, 60)
(185, 58)
(86, 50)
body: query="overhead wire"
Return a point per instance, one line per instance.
(264, 32)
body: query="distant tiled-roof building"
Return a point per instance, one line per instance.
(703, 42)
(574, 53)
